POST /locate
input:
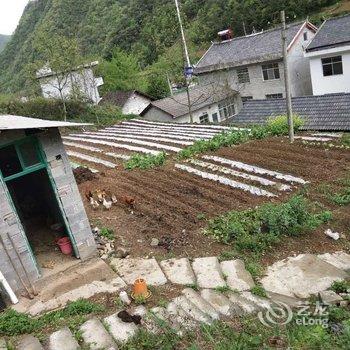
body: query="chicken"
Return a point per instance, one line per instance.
(94, 203)
(89, 195)
(100, 195)
(129, 200)
(114, 199)
(107, 204)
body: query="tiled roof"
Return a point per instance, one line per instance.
(324, 112)
(333, 32)
(259, 47)
(119, 98)
(201, 96)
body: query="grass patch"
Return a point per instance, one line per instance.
(193, 286)
(15, 323)
(340, 287)
(345, 139)
(107, 233)
(259, 291)
(223, 289)
(258, 229)
(278, 126)
(145, 161)
(339, 196)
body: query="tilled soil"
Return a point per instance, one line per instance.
(173, 206)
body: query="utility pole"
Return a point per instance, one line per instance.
(287, 79)
(187, 61)
(169, 84)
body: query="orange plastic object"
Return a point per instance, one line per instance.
(140, 289)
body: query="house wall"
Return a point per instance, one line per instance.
(84, 80)
(299, 68)
(136, 104)
(71, 203)
(330, 84)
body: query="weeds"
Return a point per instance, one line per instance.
(345, 140)
(340, 287)
(259, 291)
(107, 233)
(223, 289)
(193, 286)
(257, 229)
(341, 196)
(278, 126)
(144, 162)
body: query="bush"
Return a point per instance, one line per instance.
(260, 228)
(144, 162)
(13, 323)
(278, 126)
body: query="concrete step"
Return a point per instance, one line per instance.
(236, 275)
(120, 331)
(178, 271)
(220, 302)
(261, 303)
(340, 260)
(161, 315)
(181, 318)
(147, 320)
(191, 310)
(28, 342)
(244, 304)
(285, 299)
(63, 340)
(208, 272)
(95, 335)
(197, 300)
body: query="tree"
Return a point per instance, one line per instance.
(58, 56)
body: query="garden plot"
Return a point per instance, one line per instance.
(91, 159)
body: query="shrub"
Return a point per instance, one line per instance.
(260, 228)
(144, 162)
(13, 323)
(278, 126)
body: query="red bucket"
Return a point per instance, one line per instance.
(65, 245)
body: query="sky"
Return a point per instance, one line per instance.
(10, 14)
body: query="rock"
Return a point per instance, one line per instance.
(208, 273)
(330, 297)
(28, 342)
(124, 297)
(218, 301)
(191, 310)
(3, 345)
(63, 340)
(178, 271)
(121, 253)
(245, 305)
(285, 299)
(262, 303)
(331, 234)
(340, 260)
(132, 269)
(154, 242)
(120, 331)
(237, 277)
(301, 276)
(95, 335)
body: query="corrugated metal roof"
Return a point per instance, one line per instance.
(324, 112)
(259, 47)
(201, 96)
(332, 33)
(15, 122)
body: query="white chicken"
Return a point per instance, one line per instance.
(94, 203)
(107, 204)
(114, 199)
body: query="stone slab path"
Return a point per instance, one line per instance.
(286, 281)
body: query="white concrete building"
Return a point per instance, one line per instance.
(131, 102)
(252, 65)
(80, 81)
(210, 103)
(329, 56)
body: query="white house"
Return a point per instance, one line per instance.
(131, 102)
(329, 56)
(209, 103)
(253, 64)
(80, 81)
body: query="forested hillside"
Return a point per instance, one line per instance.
(145, 29)
(3, 40)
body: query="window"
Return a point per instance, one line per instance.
(246, 98)
(215, 118)
(272, 96)
(9, 161)
(227, 108)
(204, 118)
(271, 71)
(29, 153)
(332, 66)
(243, 75)
(305, 36)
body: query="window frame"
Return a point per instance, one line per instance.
(246, 98)
(206, 115)
(217, 117)
(275, 96)
(305, 35)
(243, 72)
(271, 67)
(225, 106)
(331, 64)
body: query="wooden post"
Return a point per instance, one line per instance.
(287, 80)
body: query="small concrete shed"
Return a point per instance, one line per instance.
(39, 201)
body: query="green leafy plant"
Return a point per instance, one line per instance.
(223, 289)
(193, 286)
(144, 162)
(140, 300)
(278, 126)
(259, 290)
(108, 233)
(340, 286)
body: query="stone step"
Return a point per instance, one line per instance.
(28, 342)
(208, 272)
(95, 335)
(161, 315)
(236, 275)
(181, 318)
(191, 310)
(178, 271)
(245, 305)
(261, 303)
(120, 331)
(284, 299)
(147, 320)
(197, 300)
(220, 302)
(63, 340)
(131, 269)
(340, 260)
(3, 345)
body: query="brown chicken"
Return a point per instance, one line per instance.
(130, 201)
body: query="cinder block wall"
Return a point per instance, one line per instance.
(71, 204)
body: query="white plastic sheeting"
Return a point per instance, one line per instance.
(225, 181)
(91, 159)
(256, 170)
(8, 289)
